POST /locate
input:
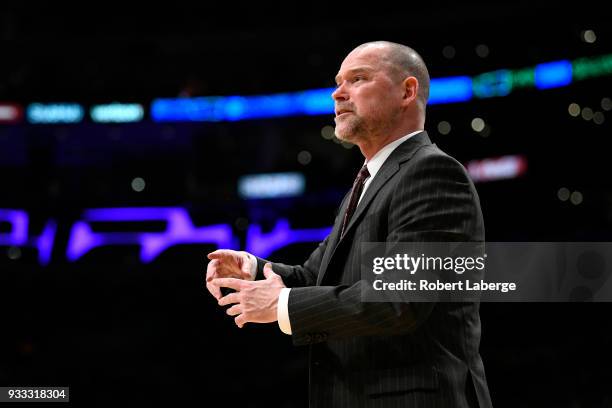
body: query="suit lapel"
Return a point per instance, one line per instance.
(402, 153)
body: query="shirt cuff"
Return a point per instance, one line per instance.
(282, 311)
(253, 266)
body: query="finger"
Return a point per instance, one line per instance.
(240, 320)
(234, 310)
(229, 299)
(268, 272)
(211, 269)
(231, 283)
(220, 254)
(214, 290)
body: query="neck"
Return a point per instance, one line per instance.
(370, 147)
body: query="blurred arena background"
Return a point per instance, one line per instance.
(135, 141)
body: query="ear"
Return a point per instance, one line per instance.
(411, 90)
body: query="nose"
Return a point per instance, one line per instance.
(340, 93)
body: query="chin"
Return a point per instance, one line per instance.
(348, 131)
(347, 138)
(344, 133)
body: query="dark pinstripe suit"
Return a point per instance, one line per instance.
(390, 354)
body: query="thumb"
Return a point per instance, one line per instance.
(267, 271)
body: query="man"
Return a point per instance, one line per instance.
(379, 353)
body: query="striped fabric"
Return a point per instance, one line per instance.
(391, 354)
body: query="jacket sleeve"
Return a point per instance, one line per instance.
(297, 275)
(433, 201)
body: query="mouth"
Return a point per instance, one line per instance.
(342, 112)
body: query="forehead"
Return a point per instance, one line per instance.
(365, 59)
(370, 56)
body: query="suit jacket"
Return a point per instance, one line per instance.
(391, 354)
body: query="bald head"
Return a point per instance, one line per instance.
(402, 61)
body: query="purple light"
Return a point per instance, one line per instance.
(44, 242)
(263, 245)
(81, 241)
(130, 213)
(18, 236)
(19, 227)
(179, 230)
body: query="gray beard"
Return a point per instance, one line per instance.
(359, 130)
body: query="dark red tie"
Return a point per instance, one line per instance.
(355, 194)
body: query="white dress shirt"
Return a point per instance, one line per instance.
(374, 165)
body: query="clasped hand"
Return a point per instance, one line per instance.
(252, 301)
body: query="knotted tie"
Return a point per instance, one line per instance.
(355, 194)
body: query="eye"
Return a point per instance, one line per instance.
(357, 78)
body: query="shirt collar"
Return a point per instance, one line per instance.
(376, 162)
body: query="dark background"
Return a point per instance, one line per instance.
(120, 332)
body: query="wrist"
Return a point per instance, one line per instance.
(252, 265)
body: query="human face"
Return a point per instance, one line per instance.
(367, 99)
